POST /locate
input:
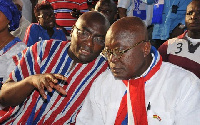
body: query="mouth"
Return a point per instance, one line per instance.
(85, 51)
(193, 24)
(116, 70)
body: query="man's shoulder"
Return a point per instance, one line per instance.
(176, 73)
(55, 41)
(51, 45)
(106, 79)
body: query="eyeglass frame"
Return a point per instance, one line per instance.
(47, 16)
(90, 35)
(104, 51)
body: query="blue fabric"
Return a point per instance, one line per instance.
(8, 8)
(38, 33)
(140, 13)
(157, 14)
(169, 20)
(10, 44)
(149, 2)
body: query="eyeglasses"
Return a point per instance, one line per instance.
(85, 35)
(116, 52)
(47, 16)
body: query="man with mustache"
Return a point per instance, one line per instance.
(35, 87)
(184, 50)
(139, 88)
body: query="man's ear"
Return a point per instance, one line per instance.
(115, 17)
(146, 48)
(72, 30)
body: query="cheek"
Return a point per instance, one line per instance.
(97, 49)
(133, 64)
(74, 45)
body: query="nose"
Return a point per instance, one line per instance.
(89, 41)
(113, 58)
(194, 15)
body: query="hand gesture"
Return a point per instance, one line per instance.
(48, 81)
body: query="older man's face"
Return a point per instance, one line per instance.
(192, 18)
(126, 58)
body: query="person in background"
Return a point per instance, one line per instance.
(63, 9)
(27, 9)
(45, 28)
(129, 8)
(139, 88)
(138, 8)
(41, 101)
(107, 8)
(20, 31)
(184, 50)
(168, 19)
(9, 44)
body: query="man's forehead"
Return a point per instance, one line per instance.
(194, 4)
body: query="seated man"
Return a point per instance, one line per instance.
(141, 89)
(45, 28)
(80, 61)
(184, 50)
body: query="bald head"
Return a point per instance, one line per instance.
(129, 28)
(92, 18)
(126, 40)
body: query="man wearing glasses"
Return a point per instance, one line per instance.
(139, 89)
(42, 97)
(45, 28)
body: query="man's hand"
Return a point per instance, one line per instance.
(48, 81)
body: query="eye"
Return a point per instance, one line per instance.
(82, 32)
(108, 11)
(99, 40)
(189, 13)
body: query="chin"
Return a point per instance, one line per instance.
(85, 60)
(118, 77)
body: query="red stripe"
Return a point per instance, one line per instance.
(64, 5)
(182, 35)
(122, 112)
(35, 53)
(6, 114)
(25, 70)
(153, 70)
(30, 107)
(79, 4)
(27, 34)
(62, 15)
(64, 102)
(66, 23)
(15, 59)
(80, 99)
(55, 59)
(47, 49)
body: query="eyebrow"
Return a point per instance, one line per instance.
(85, 28)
